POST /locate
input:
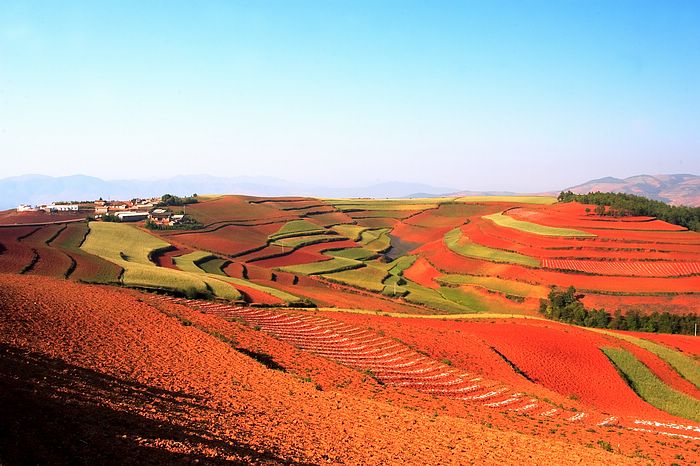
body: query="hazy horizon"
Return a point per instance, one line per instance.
(526, 96)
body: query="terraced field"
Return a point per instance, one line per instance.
(481, 265)
(393, 363)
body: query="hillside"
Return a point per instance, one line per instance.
(310, 330)
(132, 384)
(673, 189)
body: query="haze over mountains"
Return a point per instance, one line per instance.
(34, 189)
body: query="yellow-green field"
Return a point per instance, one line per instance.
(454, 241)
(503, 220)
(131, 249)
(651, 388)
(508, 287)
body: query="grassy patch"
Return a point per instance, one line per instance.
(684, 365)
(433, 298)
(301, 241)
(132, 248)
(400, 264)
(214, 265)
(377, 240)
(474, 301)
(503, 220)
(369, 278)
(651, 388)
(454, 241)
(222, 283)
(296, 228)
(337, 264)
(352, 232)
(358, 254)
(500, 285)
(89, 267)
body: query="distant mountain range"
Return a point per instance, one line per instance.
(39, 189)
(674, 189)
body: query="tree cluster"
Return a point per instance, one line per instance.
(566, 306)
(187, 223)
(168, 200)
(621, 205)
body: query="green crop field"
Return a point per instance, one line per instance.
(433, 298)
(195, 262)
(509, 287)
(503, 220)
(214, 265)
(336, 264)
(358, 254)
(453, 241)
(650, 388)
(369, 277)
(687, 367)
(300, 241)
(377, 240)
(131, 249)
(296, 228)
(352, 232)
(400, 264)
(475, 301)
(89, 268)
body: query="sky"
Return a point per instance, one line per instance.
(499, 95)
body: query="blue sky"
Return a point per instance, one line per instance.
(513, 95)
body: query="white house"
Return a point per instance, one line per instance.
(131, 216)
(26, 208)
(65, 207)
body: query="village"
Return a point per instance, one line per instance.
(134, 210)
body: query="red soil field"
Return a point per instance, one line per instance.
(546, 352)
(423, 273)
(646, 243)
(304, 255)
(259, 297)
(488, 234)
(663, 370)
(165, 259)
(183, 380)
(688, 344)
(418, 234)
(52, 261)
(377, 222)
(450, 215)
(325, 293)
(627, 268)
(300, 204)
(384, 214)
(545, 216)
(230, 239)
(233, 208)
(11, 217)
(88, 268)
(331, 218)
(447, 261)
(15, 255)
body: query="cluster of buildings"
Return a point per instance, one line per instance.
(160, 217)
(103, 207)
(134, 210)
(48, 208)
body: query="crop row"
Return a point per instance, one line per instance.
(627, 268)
